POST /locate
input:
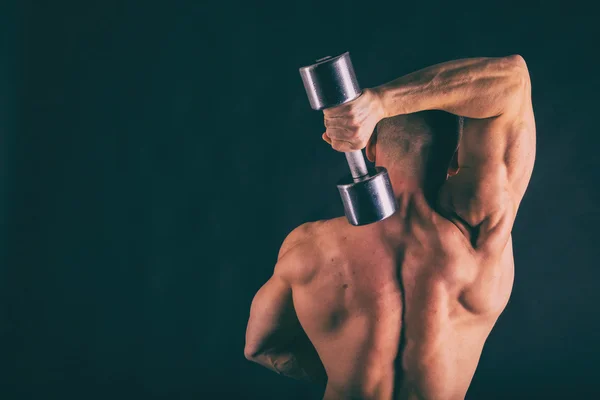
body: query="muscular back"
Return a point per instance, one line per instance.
(387, 305)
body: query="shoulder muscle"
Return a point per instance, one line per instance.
(298, 256)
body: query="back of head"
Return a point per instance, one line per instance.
(419, 145)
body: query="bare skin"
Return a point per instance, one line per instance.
(401, 309)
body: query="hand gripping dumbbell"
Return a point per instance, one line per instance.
(367, 193)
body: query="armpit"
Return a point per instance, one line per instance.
(482, 209)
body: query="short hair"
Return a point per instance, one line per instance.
(420, 138)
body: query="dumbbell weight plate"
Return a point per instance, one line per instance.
(368, 199)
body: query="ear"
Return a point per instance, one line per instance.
(370, 149)
(453, 167)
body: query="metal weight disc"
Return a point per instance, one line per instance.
(330, 82)
(368, 200)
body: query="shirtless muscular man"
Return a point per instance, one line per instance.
(401, 309)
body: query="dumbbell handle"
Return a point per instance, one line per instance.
(357, 164)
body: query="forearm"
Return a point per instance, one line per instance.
(300, 361)
(473, 88)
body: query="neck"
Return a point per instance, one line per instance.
(405, 186)
(408, 178)
(404, 180)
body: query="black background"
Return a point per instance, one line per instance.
(155, 154)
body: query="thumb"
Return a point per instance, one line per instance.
(326, 138)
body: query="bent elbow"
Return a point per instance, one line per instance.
(517, 60)
(251, 353)
(518, 70)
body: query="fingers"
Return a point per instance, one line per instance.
(345, 108)
(347, 133)
(342, 145)
(342, 122)
(345, 146)
(353, 129)
(356, 138)
(349, 126)
(338, 111)
(351, 118)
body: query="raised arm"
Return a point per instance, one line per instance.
(497, 146)
(473, 87)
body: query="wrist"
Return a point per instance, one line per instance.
(379, 94)
(402, 96)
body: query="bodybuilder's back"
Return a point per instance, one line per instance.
(394, 307)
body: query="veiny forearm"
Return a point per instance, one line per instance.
(473, 88)
(300, 361)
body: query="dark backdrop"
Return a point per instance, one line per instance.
(155, 154)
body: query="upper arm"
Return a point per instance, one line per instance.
(273, 323)
(495, 160)
(273, 319)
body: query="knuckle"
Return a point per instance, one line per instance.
(348, 136)
(337, 145)
(333, 133)
(345, 108)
